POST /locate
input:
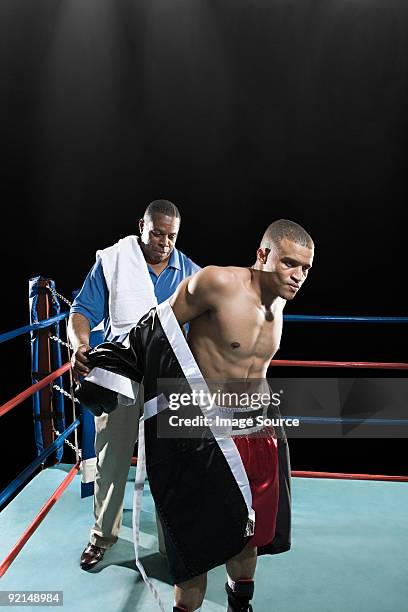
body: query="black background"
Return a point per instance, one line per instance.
(241, 113)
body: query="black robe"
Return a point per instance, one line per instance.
(198, 484)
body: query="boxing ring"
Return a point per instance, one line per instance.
(350, 531)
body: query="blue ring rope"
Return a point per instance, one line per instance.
(26, 473)
(289, 318)
(340, 319)
(29, 328)
(346, 421)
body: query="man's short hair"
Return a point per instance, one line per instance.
(283, 228)
(162, 207)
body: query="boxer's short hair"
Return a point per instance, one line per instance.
(283, 228)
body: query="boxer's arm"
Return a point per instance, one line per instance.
(200, 293)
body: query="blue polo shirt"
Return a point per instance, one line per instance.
(93, 299)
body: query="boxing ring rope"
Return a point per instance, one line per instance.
(38, 519)
(26, 473)
(345, 476)
(18, 399)
(348, 421)
(372, 365)
(40, 459)
(288, 318)
(21, 397)
(344, 420)
(56, 444)
(20, 331)
(59, 442)
(340, 319)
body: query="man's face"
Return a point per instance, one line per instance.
(290, 263)
(158, 237)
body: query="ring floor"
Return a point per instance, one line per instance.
(349, 551)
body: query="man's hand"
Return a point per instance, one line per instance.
(79, 361)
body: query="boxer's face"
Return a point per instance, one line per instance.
(158, 237)
(289, 263)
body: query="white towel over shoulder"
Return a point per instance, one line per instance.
(129, 284)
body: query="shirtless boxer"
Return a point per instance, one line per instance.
(235, 317)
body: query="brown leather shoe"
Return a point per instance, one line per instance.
(91, 556)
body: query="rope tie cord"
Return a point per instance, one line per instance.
(55, 294)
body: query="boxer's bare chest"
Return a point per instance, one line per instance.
(245, 329)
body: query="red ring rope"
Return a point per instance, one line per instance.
(15, 401)
(38, 519)
(344, 476)
(376, 365)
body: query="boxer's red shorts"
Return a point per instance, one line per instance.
(259, 454)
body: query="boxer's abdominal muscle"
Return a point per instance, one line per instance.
(237, 340)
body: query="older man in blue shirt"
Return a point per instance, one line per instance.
(116, 433)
